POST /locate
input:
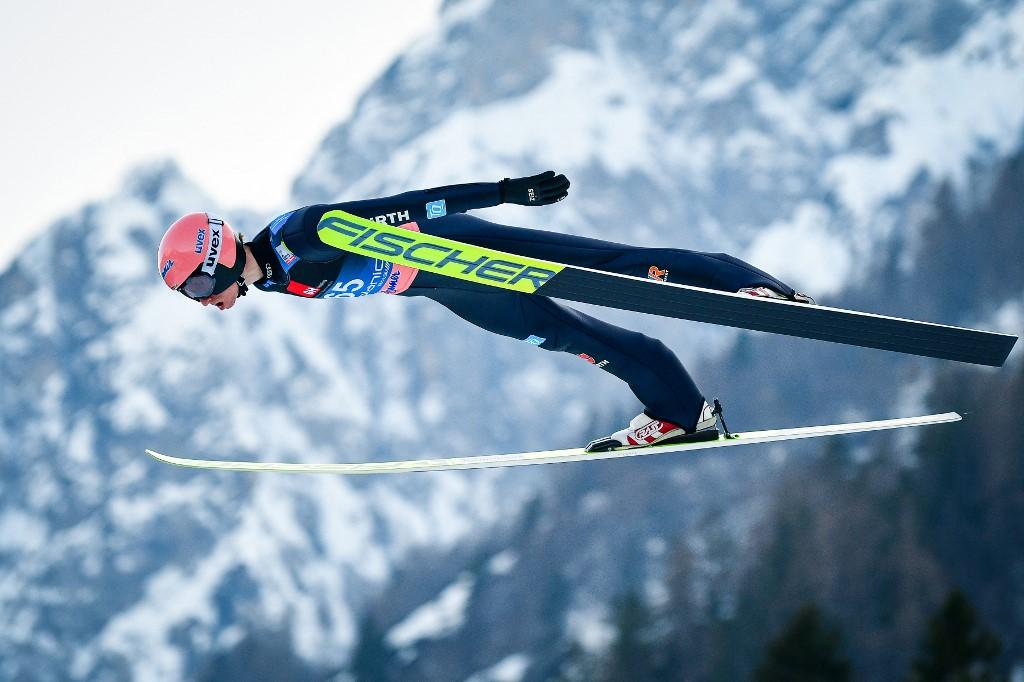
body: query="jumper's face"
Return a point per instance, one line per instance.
(224, 300)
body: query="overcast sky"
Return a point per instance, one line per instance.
(239, 93)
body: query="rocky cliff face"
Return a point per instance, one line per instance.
(812, 140)
(126, 568)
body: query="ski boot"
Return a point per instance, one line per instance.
(765, 292)
(644, 431)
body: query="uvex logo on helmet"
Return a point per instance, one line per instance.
(214, 253)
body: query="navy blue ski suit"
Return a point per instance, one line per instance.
(295, 261)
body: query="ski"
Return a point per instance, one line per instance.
(555, 456)
(493, 268)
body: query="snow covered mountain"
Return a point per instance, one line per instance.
(129, 569)
(757, 128)
(808, 138)
(814, 139)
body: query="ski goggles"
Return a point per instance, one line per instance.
(201, 284)
(198, 285)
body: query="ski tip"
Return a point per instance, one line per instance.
(168, 459)
(942, 418)
(156, 455)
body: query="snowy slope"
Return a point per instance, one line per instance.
(733, 126)
(810, 138)
(807, 137)
(127, 567)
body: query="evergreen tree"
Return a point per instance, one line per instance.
(572, 665)
(958, 647)
(632, 656)
(260, 655)
(808, 650)
(372, 658)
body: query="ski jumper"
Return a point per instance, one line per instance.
(296, 262)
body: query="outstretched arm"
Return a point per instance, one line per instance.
(422, 205)
(536, 190)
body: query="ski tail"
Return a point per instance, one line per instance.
(823, 323)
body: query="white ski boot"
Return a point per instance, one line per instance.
(644, 431)
(765, 292)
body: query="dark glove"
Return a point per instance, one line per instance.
(536, 190)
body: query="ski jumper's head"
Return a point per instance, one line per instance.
(201, 257)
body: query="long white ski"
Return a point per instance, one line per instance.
(554, 456)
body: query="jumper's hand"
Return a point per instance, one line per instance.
(536, 190)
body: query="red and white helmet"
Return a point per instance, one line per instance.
(200, 255)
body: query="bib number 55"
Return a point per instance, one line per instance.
(349, 289)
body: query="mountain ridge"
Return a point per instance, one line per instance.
(734, 127)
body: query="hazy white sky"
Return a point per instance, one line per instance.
(239, 93)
